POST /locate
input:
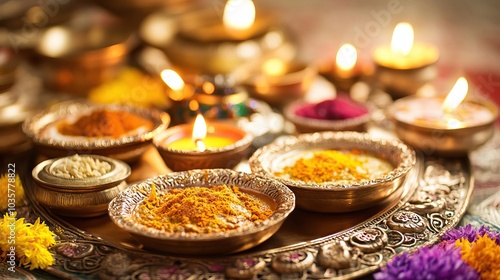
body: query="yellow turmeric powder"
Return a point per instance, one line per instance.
(336, 166)
(201, 209)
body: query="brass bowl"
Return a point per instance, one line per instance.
(122, 207)
(75, 197)
(332, 197)
(127, 148)
(75, 60)
(224, 157)
(404, 82)
(202, 45)
(450, 142)
(280, 90)
(308, 125)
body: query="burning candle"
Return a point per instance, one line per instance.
(403, 53)
(452, 125)
(212, 43)
(202, 145)
(280, 81)
(404, 66)
(199, 140)
(449, 113)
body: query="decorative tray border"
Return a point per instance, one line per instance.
(441, 192)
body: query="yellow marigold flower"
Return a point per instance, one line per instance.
(483, 255)
(11, 188)
(31, 241)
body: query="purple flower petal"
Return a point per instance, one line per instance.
(470, 233)
(438, 262)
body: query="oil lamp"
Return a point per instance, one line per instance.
(405, 65)
(451, 126)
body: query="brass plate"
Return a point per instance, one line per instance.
(308, 245)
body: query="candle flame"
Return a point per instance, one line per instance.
(456, 95)
(402, 38)
(56, 41)
(346, 57)
(274, 67)
(199, 132)
(239, 14)
(172, 79)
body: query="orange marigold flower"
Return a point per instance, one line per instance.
(483, 255)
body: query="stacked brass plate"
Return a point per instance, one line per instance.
(79, 197)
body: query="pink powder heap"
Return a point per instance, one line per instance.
(340, 108)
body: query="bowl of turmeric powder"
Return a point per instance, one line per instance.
(121, 132)
(203, 211)
(334, 172)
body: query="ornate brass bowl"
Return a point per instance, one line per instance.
(127, 148)
(450, 142)
(122, 207)
(75, 197)
(334, 197)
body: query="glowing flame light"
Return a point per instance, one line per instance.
(175, 82)
(199, 132)
(402, 38)
(239, 14)
(346, 57)
(56, 41)
(456, 95)
(172, 79)
(274, 67)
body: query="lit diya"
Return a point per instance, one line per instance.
(345, 70)
(405, 65)
(338, 114)
(201, 145)
(210, 41)
(451, 126)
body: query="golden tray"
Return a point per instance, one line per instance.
(308, 245)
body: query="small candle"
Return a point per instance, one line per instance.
(199, 140)
(444, 113)
(403, 53)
